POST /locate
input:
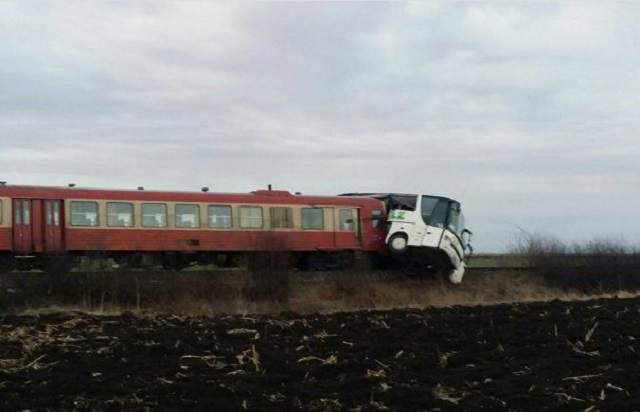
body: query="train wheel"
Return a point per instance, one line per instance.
(346, 260)
(7, 264)
(129, 261)
(173, 261)
(57, 264)
(399, 244)
(317, 261)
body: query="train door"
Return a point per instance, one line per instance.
(22, 233)
(52, 224)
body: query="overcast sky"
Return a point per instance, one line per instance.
(527, 113)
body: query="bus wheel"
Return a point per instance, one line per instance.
(398, 244)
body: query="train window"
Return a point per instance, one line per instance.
(17, 212)
(313, 218)
(26, 212)
(187, 216)
(346, 220)
(84, 213)
(281, 217)
(52, 212)
(119, 214)
(154, 215)
(22, 212)
(220, 217)
(250, 217)
(48, 212)
(377, 219)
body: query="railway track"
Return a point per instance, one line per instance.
(230, 273)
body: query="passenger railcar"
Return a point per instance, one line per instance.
(42, 224)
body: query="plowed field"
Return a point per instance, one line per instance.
(546, 356)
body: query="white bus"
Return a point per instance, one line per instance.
(427, 229)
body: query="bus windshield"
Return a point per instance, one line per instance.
(434, 211)
(441, 213)
(456, 219)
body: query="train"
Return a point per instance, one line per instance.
(48, 227)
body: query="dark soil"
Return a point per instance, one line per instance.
(545, 356)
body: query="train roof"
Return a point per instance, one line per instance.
(257, 196)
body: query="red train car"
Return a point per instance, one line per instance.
(38, 223)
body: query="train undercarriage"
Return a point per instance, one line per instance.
(413, 264)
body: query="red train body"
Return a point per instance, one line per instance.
(58, 221)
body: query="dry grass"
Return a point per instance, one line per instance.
(268, 277)
(349, 294)
(268, 285)
(489, 289)
(268, 271)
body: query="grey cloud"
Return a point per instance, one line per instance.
(526, 112)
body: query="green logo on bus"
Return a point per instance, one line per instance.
(398, 214)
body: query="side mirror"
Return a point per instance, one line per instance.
(468, 250)
(466, 237)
